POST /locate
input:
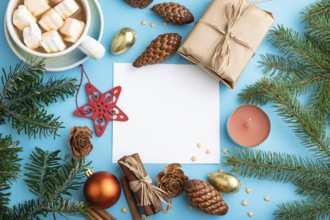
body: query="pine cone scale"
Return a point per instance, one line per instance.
(173, 12)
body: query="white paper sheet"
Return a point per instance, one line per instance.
(171, 108)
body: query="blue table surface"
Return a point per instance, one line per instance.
(117, 14)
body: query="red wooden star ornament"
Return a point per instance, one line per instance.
(101, 107)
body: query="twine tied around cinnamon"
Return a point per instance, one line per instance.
(221, 57)
(149, 191)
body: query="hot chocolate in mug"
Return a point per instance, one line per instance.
(57, 21)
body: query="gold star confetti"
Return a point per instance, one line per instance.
(220, 170)
(244, 203)
(143, 22)
(164, 23)
(143, 216)
(199, 145)
(250, 214)
(248, 190)
(224, 150)
(193, 159)
(152, 24)
(207, 152)
(266, 198)
(123, 210)
(190, 207)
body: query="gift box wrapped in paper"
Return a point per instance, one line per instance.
(226, 38)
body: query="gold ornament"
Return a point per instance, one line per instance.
(123, 40)
(225, 182)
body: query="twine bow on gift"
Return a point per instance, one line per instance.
(148, 191)
(221, 57)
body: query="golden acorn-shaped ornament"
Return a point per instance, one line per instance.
(123, 40)
(160, 49)
(174, 13)
(226, 182)
(205, 197)
(139, 3)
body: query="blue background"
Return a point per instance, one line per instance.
(117, 14)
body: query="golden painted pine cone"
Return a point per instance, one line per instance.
(139, 3)
(171, 180)
(173, 13)
(205, 197)
(159, 50)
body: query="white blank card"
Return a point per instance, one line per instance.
(173, 114)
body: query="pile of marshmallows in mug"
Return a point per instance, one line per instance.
(51, 20)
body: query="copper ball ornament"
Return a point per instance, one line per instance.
(102, 189)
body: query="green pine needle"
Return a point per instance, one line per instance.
(304, 210)
(9, 167)
(317, 9)
(24, 95)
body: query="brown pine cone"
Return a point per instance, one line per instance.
(205, 197)
(173, 12)
(171, 180)
(79, 141)
(139, 3)
(160, 49)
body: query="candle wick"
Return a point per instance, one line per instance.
(247, 124)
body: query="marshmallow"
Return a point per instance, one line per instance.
(72, 29)
(56, 1)
(32, 36)
(22, 17)
(52, 42)
(37, 7)
(51, 20)
(67, 8)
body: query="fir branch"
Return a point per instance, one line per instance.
(315, 188)
(21, 75)
(24, 95)
(319, 8)
(43, 166)
(9, 167)
(299, 48)
(304, 210)
(67, 206)
(304, 124)
(276, 166)
(320, 103)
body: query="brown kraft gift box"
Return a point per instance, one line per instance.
(226, 38)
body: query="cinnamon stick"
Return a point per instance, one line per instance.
(99, 214)
(149, 209)
(130, 199)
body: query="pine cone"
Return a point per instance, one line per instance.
(171, 180)
(139, 3)
(173, 12)
(79, 141)
(205, 197)
(160, 49)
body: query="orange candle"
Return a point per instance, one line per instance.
(248, 126)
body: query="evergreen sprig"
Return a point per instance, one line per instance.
(50, 179)
(24, 95)
(9, 167)
(301, 67)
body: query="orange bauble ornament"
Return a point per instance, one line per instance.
(102, 189)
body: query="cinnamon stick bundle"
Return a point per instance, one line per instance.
(148, 209)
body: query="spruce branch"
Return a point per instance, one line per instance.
(276, 166)
(289, 108)
(304, 210)
(24, 95)
(9, 167)
(319, 8)
(50, 180)
(315, 188)
(299, 48)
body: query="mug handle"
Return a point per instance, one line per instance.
(92, 48)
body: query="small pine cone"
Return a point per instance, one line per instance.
(171, 180)
(139, 3)
(205, 197)
(173, 13)
(160, 49)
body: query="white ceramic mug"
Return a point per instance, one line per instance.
(86, 44)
